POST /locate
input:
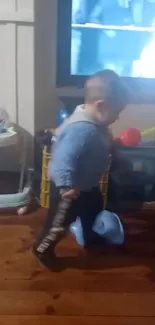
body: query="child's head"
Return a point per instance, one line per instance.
(105, 96)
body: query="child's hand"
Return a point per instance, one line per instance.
(71, 194)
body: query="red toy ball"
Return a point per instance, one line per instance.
(131, 137)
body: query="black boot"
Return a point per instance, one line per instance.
(47, 259)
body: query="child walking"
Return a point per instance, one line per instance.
(80, 156)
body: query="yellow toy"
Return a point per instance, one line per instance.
(148, 132)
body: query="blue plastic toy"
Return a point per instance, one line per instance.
(107, 225)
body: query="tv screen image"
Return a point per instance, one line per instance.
(113, 34)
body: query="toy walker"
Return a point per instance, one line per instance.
(46, 156)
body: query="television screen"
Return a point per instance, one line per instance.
(113, 34)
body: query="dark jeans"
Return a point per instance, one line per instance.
(64, 211)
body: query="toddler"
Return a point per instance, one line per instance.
(79, 158)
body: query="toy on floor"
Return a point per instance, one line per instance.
(107, 225)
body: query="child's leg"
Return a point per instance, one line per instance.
(91, 204)
(61, 213)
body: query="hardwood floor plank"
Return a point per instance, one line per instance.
(80, 282)
(26, 267)
(65, 320)
(16, 261)
(115, 288)
(14, 232)
(76, 303)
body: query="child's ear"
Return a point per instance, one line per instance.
(99, 104)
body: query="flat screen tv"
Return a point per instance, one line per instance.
(108, 34)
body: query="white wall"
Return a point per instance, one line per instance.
(17, 68)
(17, 61)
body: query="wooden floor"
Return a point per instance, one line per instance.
(113, 287)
